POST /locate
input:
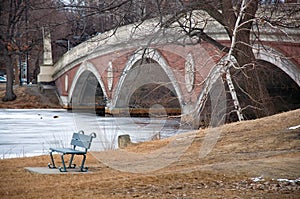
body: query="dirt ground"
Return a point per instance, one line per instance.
(264, 148)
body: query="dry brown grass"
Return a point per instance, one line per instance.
(263, 147)
(28, 97)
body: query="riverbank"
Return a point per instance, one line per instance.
(252, 159)
(29, 96)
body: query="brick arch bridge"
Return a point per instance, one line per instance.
(117, 64)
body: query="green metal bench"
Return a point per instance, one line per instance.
(78, 140)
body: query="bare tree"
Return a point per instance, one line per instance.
(12, 13)
(20, 35)
(237, 17)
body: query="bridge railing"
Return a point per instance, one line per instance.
(136, 36)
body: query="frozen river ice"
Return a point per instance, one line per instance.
(30, 132)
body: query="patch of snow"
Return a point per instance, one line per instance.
(257, 179)
(260, 178)
(294, 127)
(287, 180)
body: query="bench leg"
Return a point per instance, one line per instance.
(51, 166)
(71, 160)
(64, 169)
(82, 168)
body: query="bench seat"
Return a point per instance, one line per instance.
(67, 151)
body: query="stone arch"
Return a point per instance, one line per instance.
(276, 58)
(267, 54)
(217, 97)
(157, 57)
(84, 67)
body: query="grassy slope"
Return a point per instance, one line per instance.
(263, 147)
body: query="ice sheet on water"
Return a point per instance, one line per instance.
(25, 131)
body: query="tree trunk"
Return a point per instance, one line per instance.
(9, 95)
(255, 88)
(252, 84)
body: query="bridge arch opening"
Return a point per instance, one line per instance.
(149, 96)
(276, 58)
(147, 89)
(275, 89)
(147, 72)
(87, 93)
(281, 79)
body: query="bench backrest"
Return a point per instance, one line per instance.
(81, 140)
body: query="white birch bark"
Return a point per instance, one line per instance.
(231, 64)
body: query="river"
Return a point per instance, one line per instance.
(31, 132)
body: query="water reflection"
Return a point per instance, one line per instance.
(30, 132)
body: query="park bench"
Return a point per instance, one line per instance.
(80, 145)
